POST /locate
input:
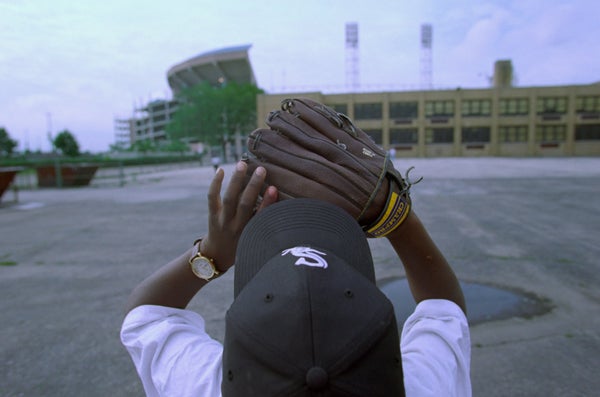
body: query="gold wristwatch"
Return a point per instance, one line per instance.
(202, 266)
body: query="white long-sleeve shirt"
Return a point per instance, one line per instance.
(174, 356)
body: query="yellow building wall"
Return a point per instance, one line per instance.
(511, 121)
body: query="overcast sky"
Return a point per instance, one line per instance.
(79, 64)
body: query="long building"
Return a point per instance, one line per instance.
(497, 121)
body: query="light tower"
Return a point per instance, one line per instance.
(352, 75)
(426, 67)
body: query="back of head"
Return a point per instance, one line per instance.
(307, 318)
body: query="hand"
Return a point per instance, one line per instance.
(310, 150)
(228, 217)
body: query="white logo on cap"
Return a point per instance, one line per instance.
(307, 257)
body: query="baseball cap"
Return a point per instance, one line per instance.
(307, 318)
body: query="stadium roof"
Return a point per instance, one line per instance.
(215, 67)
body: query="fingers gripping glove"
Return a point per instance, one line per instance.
(310, 150)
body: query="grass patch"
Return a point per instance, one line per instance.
(8, 263)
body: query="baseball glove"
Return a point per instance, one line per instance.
(310, 150)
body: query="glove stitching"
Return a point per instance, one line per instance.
(349, 154)
(376, 189)
(333, 188)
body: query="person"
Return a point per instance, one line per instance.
(215, 160)
(307, 318)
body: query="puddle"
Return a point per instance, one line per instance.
(484, 303)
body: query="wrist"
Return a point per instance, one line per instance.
(404, 229)
(207, 249)
(201, 264)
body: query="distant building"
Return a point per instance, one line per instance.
(123, 132)
(499, 121)
(502, 120)
(217, 67)
(150, 121)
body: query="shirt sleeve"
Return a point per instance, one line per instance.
(436, 350)
(172, 353)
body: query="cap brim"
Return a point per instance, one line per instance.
(300, 222)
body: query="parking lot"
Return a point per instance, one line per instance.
(70, 257)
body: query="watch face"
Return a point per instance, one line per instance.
(203, 268)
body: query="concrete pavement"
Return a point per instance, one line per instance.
(69, 258)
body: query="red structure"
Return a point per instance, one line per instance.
(6, 177)
(70, 175)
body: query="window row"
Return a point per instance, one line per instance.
(587, 104)
(471, 108)
(506, 134)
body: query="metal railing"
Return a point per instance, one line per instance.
(119, 175)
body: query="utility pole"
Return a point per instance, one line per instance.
(49, 133)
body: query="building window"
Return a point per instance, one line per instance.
(367, 111)
(513, 107)
(587, 132)
(404, 110)
(517, 133)
(476, 107)
(587, 104)
(376, 136)
(340, 108)
(550, 133)
(439, 135)
(552, 105)
(439, 109)
(476, 134)
(156, 107)
(399, 136)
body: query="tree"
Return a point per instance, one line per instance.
(143, 146)
(175, 145)
(7, 144)
(66, 143)
(212, 115)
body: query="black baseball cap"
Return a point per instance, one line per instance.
(307, 318)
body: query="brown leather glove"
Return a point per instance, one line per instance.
(310, 150)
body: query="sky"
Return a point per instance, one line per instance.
(78, 65)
